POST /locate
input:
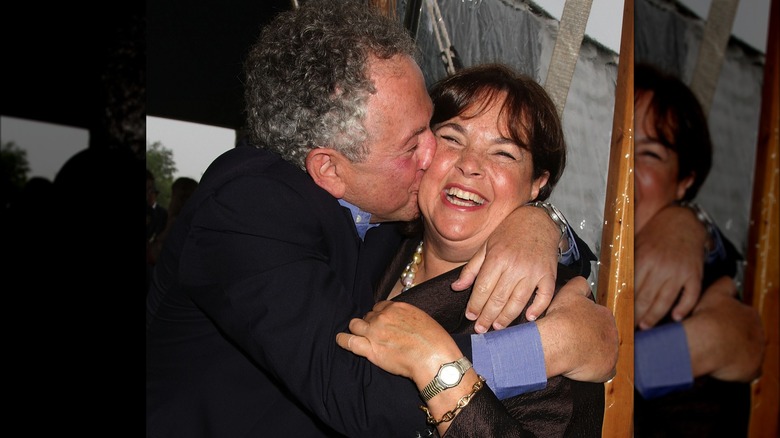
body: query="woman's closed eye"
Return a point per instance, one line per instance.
(506, 154)
(506, 150)
(650, 154)
(450, 132)
(652, 150)
(450, 138)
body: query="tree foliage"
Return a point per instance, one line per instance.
(14, 165)
(159, 160)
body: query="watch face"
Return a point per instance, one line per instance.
(450, 375)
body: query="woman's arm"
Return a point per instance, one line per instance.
(403, 340)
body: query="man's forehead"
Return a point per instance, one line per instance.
(401, 106)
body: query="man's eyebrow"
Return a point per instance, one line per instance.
(419, 131)
(453, 125)
(416, 133)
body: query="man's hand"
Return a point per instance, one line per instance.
(725, 336)
(579, 337)
(401, 339)
(668, 262)
(519, 257)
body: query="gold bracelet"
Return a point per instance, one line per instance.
(449, 416)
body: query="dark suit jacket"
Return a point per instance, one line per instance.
(563, 408)
(260, 272)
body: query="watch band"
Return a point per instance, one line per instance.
(705, 219)
(437, 385)
(555, 215)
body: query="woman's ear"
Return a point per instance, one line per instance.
(323, 165)
(538, 183)
(683, 185)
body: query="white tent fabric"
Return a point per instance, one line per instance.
(669, 36)
(519, 33)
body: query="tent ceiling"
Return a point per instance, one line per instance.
(56, 55)
(195, 52)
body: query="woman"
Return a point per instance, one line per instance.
(499, 146)
(720, 342)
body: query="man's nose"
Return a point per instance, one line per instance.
(426, 150)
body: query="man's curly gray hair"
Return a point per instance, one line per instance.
(307, 78)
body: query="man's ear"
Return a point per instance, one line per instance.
(323, 165)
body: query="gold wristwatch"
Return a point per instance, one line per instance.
(449, 375)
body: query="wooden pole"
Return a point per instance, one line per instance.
(762, 279)
(616, 271)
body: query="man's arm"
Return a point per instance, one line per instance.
(722, 338)
(577, 337)
(512, 265)
(278, 290)
(725, 336)
(669, 256)
(385, 336)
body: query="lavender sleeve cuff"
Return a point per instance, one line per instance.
(511, 360)
(662, 363)
(719, 251)
(572, 254)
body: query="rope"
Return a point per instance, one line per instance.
(574, 18)
(446, 49)
(717, 31)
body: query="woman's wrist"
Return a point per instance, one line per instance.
(447, 404)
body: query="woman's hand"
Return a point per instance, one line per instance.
(401, 339)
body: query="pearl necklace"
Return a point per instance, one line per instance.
(407, 277)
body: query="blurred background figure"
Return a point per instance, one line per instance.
(692, 371)
(716, 54)
(156, 221)
(156, 214)
(181, 190)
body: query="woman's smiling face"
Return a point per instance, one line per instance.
(656, 167)
(478, 176)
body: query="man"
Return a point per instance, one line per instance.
(265, 265)
(156, 218)
(156, 214)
